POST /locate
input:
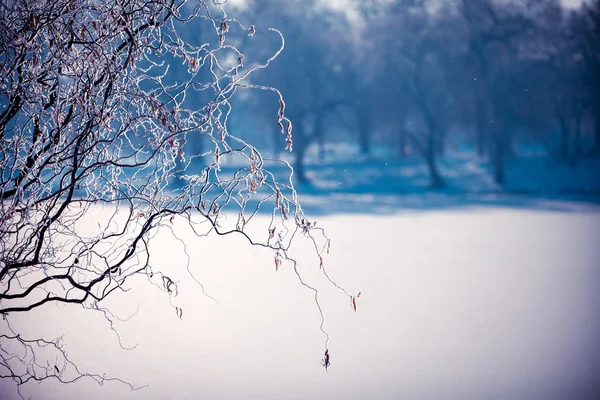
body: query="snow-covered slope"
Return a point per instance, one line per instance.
(488, 303)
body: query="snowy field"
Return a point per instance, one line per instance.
(485, 301)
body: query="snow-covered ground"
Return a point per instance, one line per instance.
(528, 171)
(492, 300)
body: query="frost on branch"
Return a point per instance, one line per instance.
(92, 122)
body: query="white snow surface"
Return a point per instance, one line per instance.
(491, 302)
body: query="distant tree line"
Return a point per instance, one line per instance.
(416, 76)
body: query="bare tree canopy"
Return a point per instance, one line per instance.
(91, 121)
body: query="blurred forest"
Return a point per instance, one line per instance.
(473, 95)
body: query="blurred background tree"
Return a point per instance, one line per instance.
(417, 83)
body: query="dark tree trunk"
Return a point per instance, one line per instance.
(301, 142)
(498, 152)
(363, 132)
(499, 176)
(436, 179)
(401, 138)
(440, 143)
(596, 149)
(564, 132)
(300, 146)
(430, 146)
(302, 139)
(480, 128)
(577, 148)
(321, 139)
(564, 140)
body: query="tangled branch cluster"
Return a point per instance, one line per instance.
(91, 119)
